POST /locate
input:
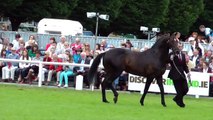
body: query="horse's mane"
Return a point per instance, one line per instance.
(161, 39)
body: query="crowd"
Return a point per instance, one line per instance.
(197, 58)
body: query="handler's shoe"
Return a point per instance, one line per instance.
(180, 104)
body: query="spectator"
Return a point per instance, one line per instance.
(54, 69)
(9, 70)
(208, 56)
(177, 36)
(98, 48)
(83, 70)
(104, 43)
(21, 49)
(31, 41)
(210, 46)
(102, 48)
(23, 67)
(189, 63)
(208, 32)
(88, 50)
(9, 51)
(16, 41)
(52, 40)
(34, 69)
(60, 44)
(129, 44)
(76, 46)
(77, 56)
(32, 52)
(3, 55)
(205, 68)
(67, 71)
(195, 57)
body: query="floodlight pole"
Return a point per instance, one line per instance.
(96, 29)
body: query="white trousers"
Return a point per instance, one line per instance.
(8, 72)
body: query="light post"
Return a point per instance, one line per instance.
(97, 15)
(148, 32)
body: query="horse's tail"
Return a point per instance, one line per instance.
(92, 75)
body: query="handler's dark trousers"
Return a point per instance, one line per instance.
(181, 88)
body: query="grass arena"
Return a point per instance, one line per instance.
(50, 103)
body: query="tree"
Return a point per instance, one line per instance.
(136, 13)
(7, 5)
(36, 10)
(182, 14)
(110, 7)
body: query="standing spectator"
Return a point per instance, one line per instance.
(88, 50)
(9, 70)
(75, 46)
(208, 32)
(60, 45)
(23, 67)
(54, 69)
(52, 39)
(31, 41)
(16, 41)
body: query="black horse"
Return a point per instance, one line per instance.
(150, 63)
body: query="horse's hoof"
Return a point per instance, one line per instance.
(142, 104)
(164, 105)
(115, 99)
(105, 101)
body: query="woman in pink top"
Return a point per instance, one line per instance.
(75, 46)
(52, 39)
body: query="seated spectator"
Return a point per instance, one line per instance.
(54, 69)
(60, 45)
(9, 47)
(77, 56)
(16, 41)
(189, 63)
(67, 71)
(205, 68)
(83, 70)
(23, 67)
(34, 69)
(32, 52)
(52, 39)
(97, 48)
(129, 44)
(21, 49)
(208, 56)
(9, 70)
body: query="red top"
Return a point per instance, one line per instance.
(56, 67)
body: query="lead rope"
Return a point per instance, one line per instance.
(190, 82)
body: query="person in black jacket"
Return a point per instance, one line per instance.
(178, 67)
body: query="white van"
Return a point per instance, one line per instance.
(60, 26)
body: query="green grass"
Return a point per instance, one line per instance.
(32, 103)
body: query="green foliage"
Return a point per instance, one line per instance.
(182, 14)
(36, 10)
(136, 13)
(7, 5)
(207, 15)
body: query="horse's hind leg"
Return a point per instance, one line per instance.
(160, 84)
(108, 82)
(148, 82)
(103, 89)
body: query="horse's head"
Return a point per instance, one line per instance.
(173, 44)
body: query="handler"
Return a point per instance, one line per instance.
(178, 67)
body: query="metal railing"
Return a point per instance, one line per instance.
(43, 39)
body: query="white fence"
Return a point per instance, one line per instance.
(40, 63)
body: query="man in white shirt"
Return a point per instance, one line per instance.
(16, 41)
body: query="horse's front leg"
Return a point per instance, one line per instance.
(148, 82)
(160, 84)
